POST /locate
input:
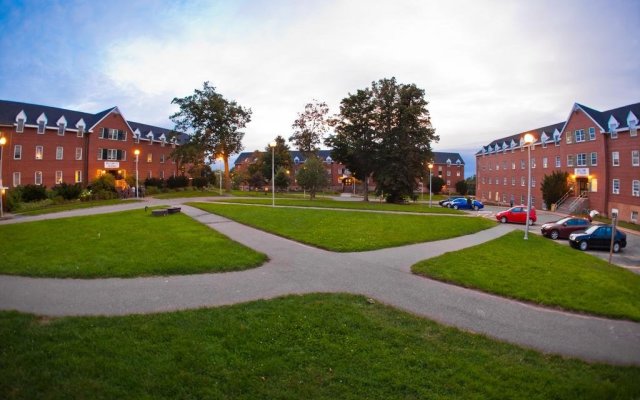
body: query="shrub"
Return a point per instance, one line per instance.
(157, 182)
(106, 182)
(67, 191)
(13, 198)
(33, 193)
(175, 182)
(151, 190)
(199, 182)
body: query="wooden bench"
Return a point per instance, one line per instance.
(173, 210)
(159, 213)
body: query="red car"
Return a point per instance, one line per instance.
(517, 214)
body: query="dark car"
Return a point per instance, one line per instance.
(445, 202)
(563, 228)
(598, 237)
(465, 204)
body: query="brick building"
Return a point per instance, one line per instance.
(448, 166)
(599, 149)
(49, 145)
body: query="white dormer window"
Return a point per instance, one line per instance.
(458, 162)
(136, 135)
(613, 126)
(150, 137)
(296, 160)
(20, 120)
(329, 159)
(163, 140)
(80, 126)
(556, 137)
(42, 123)
(632, 123)
(62, 125)
(448, 161)
(173, 142)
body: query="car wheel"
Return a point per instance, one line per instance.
(583, 245)
(503, 220)
(455, 207)
(554, 235)
(616, 247)
(476, 208)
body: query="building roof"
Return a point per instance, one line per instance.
(9, 110)
(442, 158)
(325, 155)
(621, 114)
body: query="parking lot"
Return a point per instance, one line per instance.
(629, 257)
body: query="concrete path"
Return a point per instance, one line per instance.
(295, 268)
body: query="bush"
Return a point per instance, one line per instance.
(151, 190)
(175, 182)
(106, 182)
(67, 191)
(13, 198)
(157, 182)
(33, 193)
(199, 182)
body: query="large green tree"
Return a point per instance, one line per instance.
(281, 157)
(312, 176)
(310, 127)
(404, 135)
(215, 122)
(354, 143)
(190, 158)
(554, 186)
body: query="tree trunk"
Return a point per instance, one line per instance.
(366, 188)
(227, 180)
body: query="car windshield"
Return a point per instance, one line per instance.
(562, 221)
(592, 229)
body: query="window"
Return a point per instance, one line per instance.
(483, 181)
(41, 126)
(59, 152)
(613, 133)
(545, 162)
(635, 158)
(162, 174)
(17, 152)
(513, 165)
(592, 133)
(616, 186)
(594, 184)
(20, 127)
(16, 179)
(38, 178)
(522, 181)
(634, 217)
(504, 181)
(633, 128)
(522, 164)
(136, 138)
(569, 137)
(162, 160)
(497, 166)
(558, 162)
(61, 128)
(448, 172)
(113, 134)
(615, 158)
(78, 153)
(570, 160)
(594, 159)
(490, 180)
(112, 154)
(581, 159)
(58, 177)
(513, 181)
(149, 157)
(78, 176)
(504, 165)
(533, 181)
(80, 131)
(533, 162)
(458, 173)
(580, 135)
(39, 152)
(635, 188)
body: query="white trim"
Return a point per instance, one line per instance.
(612, 124)
(117, 111)
(576, 107)
(21, 115)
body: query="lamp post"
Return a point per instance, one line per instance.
(3, 141)
(430, 167)
(528, 140)
(137, 153)
(273, 174)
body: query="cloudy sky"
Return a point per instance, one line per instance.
(489, 68)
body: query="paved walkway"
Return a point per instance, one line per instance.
(295, 268)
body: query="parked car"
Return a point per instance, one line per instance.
(598, 237)
(445, 202)
(517, 214)
(563, 228)
(464, 204)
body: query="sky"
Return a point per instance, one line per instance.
(489, 68)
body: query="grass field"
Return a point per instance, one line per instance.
(186, 194)
(348, 231)
(124, 244)
(75, 205)
(542, 272)
(296, 347)
(350, 205)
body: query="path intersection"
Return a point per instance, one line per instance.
(294, 268)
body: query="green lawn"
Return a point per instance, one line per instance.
(348, 231)
(350, 205)
(124, 244)
(53, 208)
(296, 347)
(543, 272)
(187, 194)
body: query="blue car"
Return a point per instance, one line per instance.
(464, 204)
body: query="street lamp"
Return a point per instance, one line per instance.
(3, 141)
(137, 153)
(273, 174)
(528, 140)
(430, 165)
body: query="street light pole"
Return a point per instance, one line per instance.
(137, 153)
(273, 174)
(528, 140)
(3, 141)
(430, 167)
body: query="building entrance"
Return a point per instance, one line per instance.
(583, 186)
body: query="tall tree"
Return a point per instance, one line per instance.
(405, 134)
(354, 143)
(281, 156)
(216, 123)
(310, 127)
(554, 186)
(312, 176)
(189, 157)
